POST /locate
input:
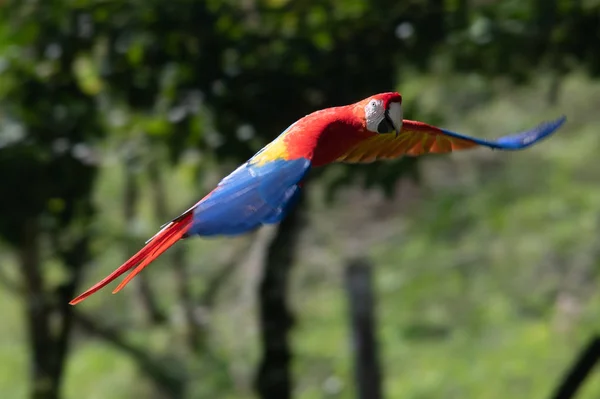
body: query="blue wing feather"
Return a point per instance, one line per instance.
(249, 197)
(516, 141)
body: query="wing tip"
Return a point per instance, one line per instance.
(530, 137)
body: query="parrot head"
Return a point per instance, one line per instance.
(382, 113)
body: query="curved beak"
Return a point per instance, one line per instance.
(395, 115)
(391, 122)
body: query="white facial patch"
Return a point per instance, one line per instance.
(374, 114)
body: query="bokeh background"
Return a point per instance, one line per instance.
(115, 116)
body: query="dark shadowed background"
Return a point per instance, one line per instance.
(115, 116)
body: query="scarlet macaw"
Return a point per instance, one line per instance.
(262, 190)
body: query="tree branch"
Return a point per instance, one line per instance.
(151, 367)
(130, 202)
(179, 265)
(169, 383)
(580, 370)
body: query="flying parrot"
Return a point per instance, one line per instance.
(262, 190)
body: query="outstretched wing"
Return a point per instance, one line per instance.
(417, 138)
(252, 195)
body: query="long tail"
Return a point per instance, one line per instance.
(158, 244)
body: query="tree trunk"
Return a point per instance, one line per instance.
(49, 341)
(43, 385)
(460, 16)
(366, 361)
(74, 260)
(274, 374)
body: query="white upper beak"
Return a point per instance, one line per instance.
(396, 114)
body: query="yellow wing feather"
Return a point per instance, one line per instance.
(415, 139)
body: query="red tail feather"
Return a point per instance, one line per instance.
(152, 250)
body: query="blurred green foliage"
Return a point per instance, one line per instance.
(116, 115)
